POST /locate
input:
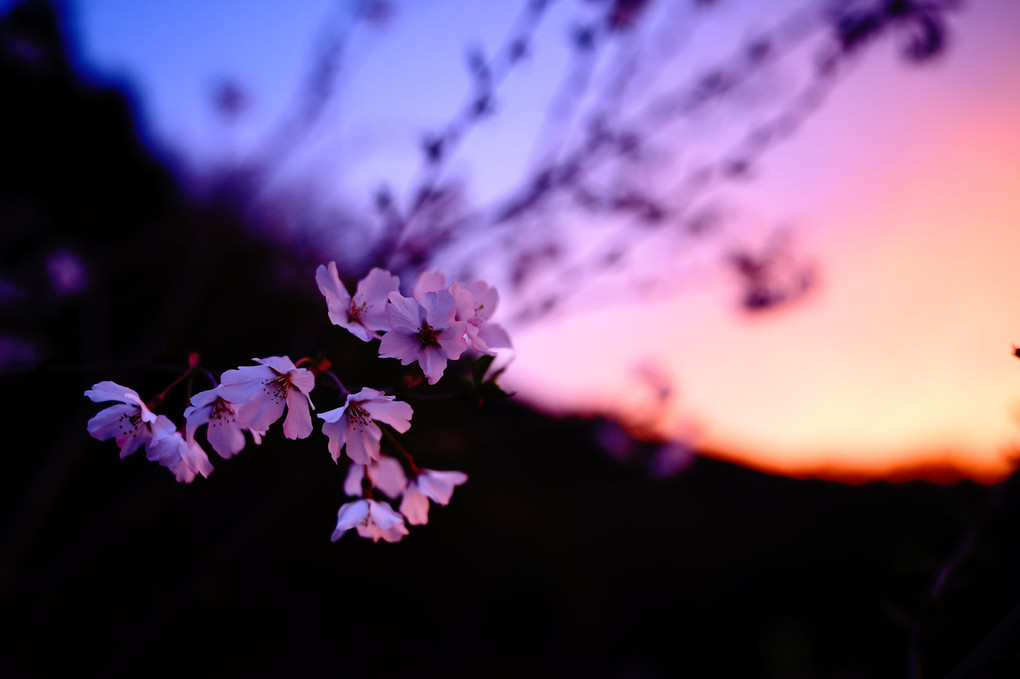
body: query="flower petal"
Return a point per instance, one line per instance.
(241, 384)
(281, 364)
(363, 442)
(352, 484)
(397, 414)
(338, 300)
(111, 391)
(438, 485)
(260, 412)
(452, 340)
(494, 335)
(383, 515)
(433, 363)
(225, 435)
(373, 291)
(349, 516)
(388, 476)
(337, 433)
(400, 345)
(415, 506)
(428, 281)
(404, 314)
(486, 299)
(298, 424)
(196, 460)
(304, 380)
(112, 422)
(204, 398)
(440, 308)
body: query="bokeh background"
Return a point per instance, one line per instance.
(765, 407)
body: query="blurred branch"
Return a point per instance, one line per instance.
(594, 176)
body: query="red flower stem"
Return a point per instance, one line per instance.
(366, 486)
(158, 398)
(407, 456)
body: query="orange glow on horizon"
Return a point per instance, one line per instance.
(899, 366)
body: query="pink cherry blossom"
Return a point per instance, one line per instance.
(428, 281)
(185, 458)
(354, 424)
(364, 314)
(262, 391)
(429, 484)
(386, 475)
(129, 422)
(225, 434)
(427, 332)
(375, 520)
(476, 303)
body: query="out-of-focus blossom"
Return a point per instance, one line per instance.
(17, 354)
(262, 391)
(671, 458)
(428, 485)
(375, 520)
(364, 314)
(66, 272)
(476, 303)
(184, 457)
(353, 424)
(428, 281)
(425, 331)
(129, 423)
(386, 475)
(225, 433)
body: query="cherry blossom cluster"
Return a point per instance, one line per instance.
(436, 324)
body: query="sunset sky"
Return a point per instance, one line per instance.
(905, 190)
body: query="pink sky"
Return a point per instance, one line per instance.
(907, 191)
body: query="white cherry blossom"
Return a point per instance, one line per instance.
(364, 313)
(429, 484)
(425, 331)
(354, 424)
(262, 391)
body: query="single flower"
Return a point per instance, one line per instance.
(224, 431)
(375, 520)
(364, 313)
(428, 485)
(354, 424)
(129, 422)
(262, 391)
(476, 303)
(386, 475)
(427, 332)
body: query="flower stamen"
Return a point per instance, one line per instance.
(427, 335)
